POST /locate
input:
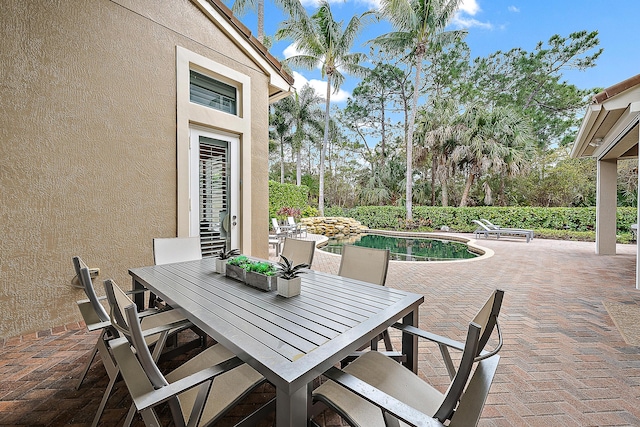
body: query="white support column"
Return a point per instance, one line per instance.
(638, 238)
(606, 205)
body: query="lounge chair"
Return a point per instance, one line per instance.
(497, 227)
(483, 229)
(376, 391)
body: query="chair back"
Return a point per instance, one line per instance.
(454, 392)
(482, 225)
(176, 249)
(291, 221)
(298, 251)
(276, 226)
(487, 319)
(475, 395)
(125, 319)
(82, 272)
(366, 264)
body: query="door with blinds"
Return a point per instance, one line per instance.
(214, 190)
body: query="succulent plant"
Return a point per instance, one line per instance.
(227, 254)
(287, 270)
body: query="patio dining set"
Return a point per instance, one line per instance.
(318, 349)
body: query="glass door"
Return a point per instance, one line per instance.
(214, 190)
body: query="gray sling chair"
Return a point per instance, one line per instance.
(368, 265)
(96, 318)
(199, 392)
(376, 391)
(298, 251)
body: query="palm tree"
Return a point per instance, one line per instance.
(496, 140)
(321, 40)
(439, 132)
(306, 120)
(280, 124)
(292, 7)
(418, 24)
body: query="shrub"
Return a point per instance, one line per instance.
(286, 196)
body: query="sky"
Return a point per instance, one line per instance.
(500, 25)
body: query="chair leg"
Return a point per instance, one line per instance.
(103, 402)
(130, 415)
(89, 362)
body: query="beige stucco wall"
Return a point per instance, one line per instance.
(88, 143)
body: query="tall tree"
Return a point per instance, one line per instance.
(292, 7)
(322, 40)
(532, 83)
(418, 24)
(494, 140)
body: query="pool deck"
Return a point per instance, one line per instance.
(564, 362)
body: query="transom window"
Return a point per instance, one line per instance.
(212, 93)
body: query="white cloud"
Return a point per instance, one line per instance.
(469, 7)
(320, 87)
(463, 17)
(465, 22)
(315, 3)
(290, 51)
(513, 9)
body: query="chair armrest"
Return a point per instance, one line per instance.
(387, 404)
(181, 324)
(155, 397)
(429, 336)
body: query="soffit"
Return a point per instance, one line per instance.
(609, 129)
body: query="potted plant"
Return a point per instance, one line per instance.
(288, 277)
(235, 267)
(261, 275)
(223, 257)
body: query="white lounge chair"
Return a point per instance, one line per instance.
(497, 227)
(483, 229)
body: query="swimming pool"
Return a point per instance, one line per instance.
(407, 248)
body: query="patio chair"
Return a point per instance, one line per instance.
(176, 249)
(376, 391)
(167, 250)
(497, 227)
(298, 251)
(483, 229)
(96, 318)
(199, 392)
(300, 229)
(368, 265)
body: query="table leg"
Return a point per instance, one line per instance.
(410, 342)
(138, 297)
(291, 410)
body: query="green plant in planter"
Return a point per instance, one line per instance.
(239, 261)
(262, 267)
(287, 270)
(227, 254)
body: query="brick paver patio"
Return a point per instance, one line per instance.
(564, 362)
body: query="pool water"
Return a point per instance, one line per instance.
(406, 248)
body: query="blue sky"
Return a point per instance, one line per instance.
(502, 25)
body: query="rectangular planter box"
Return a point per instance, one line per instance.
(260, 281)
(235, 272)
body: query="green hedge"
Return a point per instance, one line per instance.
(287, 196)
(460, 219)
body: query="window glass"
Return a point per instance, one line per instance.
(212, 93)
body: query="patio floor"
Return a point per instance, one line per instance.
(563, 363)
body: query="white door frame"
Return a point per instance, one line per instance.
(233, 142)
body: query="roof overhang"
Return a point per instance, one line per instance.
(280, 82)
(609, 129)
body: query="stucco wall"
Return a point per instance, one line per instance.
(88, 143)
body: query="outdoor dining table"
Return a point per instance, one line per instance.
(290, 341)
